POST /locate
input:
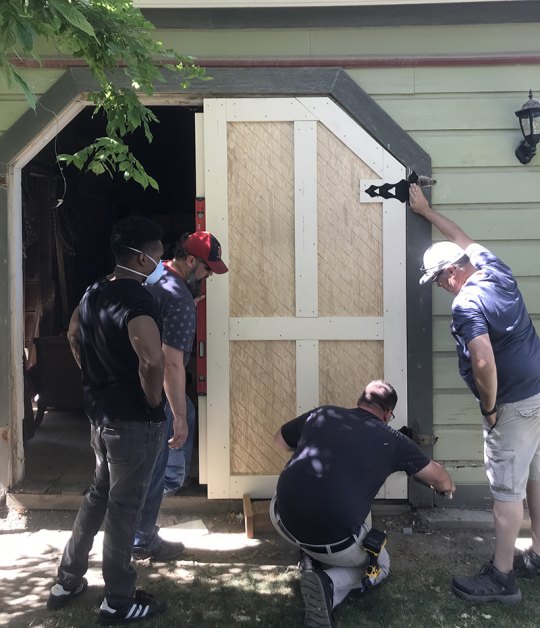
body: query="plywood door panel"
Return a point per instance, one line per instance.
(313, 305)
(263, 397)
(261, 218)
(350, 234)
(346, 367)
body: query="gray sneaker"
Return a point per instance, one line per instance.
(318, 594)
(489, 585)
(163, 553)
(527, 563)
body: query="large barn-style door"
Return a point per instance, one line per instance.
(314, 304)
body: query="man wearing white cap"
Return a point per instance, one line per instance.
(499, 359)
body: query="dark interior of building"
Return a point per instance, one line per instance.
(67, 220)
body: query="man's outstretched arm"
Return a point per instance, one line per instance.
(436, 476)
(419, 205)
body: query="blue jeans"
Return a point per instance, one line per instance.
(147, 533)
(179, 460)
(126, 452)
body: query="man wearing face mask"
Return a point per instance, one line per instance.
(196, 257)
(115, 337)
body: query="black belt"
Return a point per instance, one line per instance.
(329, 548)
(108, 423)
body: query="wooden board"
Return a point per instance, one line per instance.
(256, 516)
(482, 79)
(459, 444)
(445, 372)
(263, 397)
(307, 282)
(457, 408)
(349, 234)
(261, 219)
(484, 186)
(490, 225)
(476, 111)
(468, 148)
(345, 369)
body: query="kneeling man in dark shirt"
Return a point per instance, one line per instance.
(323, 498)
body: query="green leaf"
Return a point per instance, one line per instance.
(25, 35)
(73, 16)
(65, 157)
(97, 168)
(30, 96)
(125, 40)
(153, 183)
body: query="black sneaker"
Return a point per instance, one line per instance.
(163, 553)
(527, 563)
(143, 606)
(489, 585)
(318, 594)
(59, 597)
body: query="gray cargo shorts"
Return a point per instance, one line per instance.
(512, 449)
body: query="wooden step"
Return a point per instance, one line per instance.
(256, 516)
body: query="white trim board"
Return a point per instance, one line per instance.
(322, 328)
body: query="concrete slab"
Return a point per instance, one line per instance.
(460, 519)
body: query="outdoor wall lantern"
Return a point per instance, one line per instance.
(529, 119)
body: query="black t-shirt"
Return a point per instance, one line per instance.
(110, 366)
(342, 458)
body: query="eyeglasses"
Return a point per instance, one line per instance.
(206, 267)
(437, 277)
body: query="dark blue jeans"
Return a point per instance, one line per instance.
(179, 460)
(126, 452)
(173, 464)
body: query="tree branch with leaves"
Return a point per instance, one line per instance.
(108, 35)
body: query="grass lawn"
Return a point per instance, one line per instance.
(226, 596)
(257, 585)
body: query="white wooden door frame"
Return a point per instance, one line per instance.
(307, 328)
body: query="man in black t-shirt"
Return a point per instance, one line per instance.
(341, 458)
(116, 339)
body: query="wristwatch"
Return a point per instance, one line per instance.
(490, 412)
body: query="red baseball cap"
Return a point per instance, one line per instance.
(204, 246)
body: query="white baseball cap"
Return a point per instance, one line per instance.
(438, 257)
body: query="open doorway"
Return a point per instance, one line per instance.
(67, 220)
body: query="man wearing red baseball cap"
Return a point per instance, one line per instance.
(196, 257)
(206, 248)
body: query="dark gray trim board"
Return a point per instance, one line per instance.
(514, 11)
(5, 400)
(468, 496)
(336, 84)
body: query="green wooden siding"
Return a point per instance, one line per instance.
(414, 40)
(13, 102)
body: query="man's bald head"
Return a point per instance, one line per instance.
(380, 394)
